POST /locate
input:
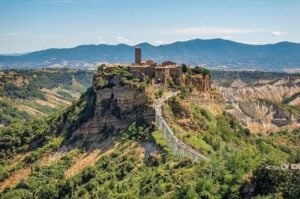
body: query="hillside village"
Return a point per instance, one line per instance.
(160, 73)
(126, 93)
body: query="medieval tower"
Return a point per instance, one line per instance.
(138, 56)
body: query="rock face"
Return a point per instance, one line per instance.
(199, 82)
(21, 81)
(265, 107)
(116, 107)
(121, 99)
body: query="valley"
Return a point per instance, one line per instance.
(264, 105)
(115, 99)
(106, 144)
(37, 93)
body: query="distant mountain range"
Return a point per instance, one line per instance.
(214, 53)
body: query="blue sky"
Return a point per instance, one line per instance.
(29, 25)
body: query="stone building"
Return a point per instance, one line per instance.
(165, 73)
(146, 69)
(167, 63)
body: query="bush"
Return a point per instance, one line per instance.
(184, 68)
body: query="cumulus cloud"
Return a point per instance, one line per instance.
(212, 30)
(278, 33)
(121, 39)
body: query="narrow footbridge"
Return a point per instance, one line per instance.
(177, 146)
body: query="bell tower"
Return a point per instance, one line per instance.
(138, 56)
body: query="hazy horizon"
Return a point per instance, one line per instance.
(33, 25)
(22, 53)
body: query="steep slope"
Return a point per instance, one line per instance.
(136, 161)
(264, 106)
(37, 93)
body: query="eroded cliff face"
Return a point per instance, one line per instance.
(116, 107)
(265, 107)
(199, 82)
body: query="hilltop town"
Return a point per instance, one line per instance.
(163, 74)
(126, 93)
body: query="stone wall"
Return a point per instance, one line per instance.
(146, 69)
(165, 73)
(199, 82)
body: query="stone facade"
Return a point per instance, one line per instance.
(168, 63)
(138, 56)
(148, 70)
(165, 73)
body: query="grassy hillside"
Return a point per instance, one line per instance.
(138, 162)
(35, 93)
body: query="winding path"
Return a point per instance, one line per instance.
(177, 146)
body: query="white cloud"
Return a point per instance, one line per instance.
(278, 33)
(121, 39)
(212, 30)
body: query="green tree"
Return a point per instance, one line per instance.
(184, 68)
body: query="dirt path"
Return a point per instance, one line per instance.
(15, 178)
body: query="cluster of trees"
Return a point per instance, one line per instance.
(8, 113)
(235, 154)
(125, 174)
(126, 78)
(236, 159)
(194, 70)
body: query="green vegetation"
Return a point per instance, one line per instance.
(159, 93)
(9, 113)
(291, 98)
(126, 77)
(195, 70)
(132, 176)
(101, 83)
(141, 164)
(184, 68)
(233, 151)
(199, 70)
(19, 88)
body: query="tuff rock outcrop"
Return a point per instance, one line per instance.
(116, 107)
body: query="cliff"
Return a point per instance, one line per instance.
(264, 107)
(122, 97)
(197, 82)
(119, 102)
